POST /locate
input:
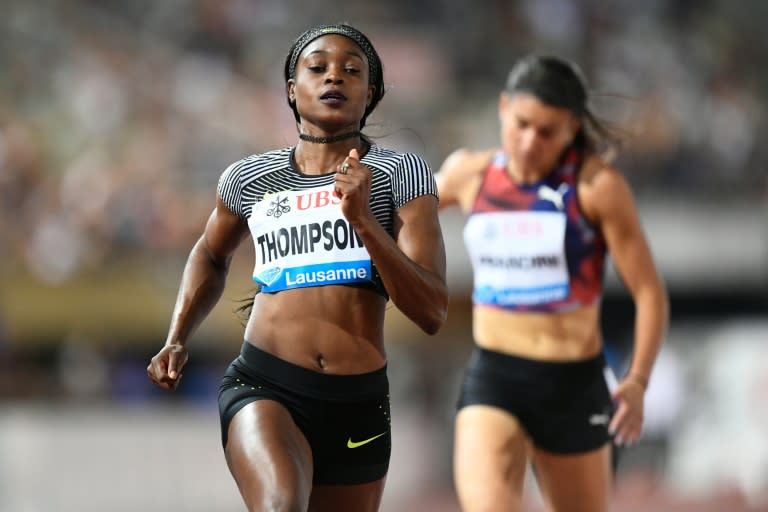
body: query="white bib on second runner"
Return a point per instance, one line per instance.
(518, 257)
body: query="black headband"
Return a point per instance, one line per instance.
(343, 30)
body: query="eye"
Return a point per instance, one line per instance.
(351, 70)
(316, 68)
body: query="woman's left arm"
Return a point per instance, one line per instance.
(412, 266)
(613, 205)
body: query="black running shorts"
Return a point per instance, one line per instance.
(345, 418)
(565, 407)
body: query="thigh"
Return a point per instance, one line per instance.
(351, 442)
(579, 482)
(347, 498)
(490, 459)
(269, 458)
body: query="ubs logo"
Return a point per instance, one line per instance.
(317, 199)
(278, 207)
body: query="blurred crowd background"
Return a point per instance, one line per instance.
(117, 117)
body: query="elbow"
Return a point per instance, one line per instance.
(660, 296)
(655, 300)
(436, 315)
(428, 310)
(433, 326)
(665, 308)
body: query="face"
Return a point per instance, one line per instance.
(534, 134)
(331, 87)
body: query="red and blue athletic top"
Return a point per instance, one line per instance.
(531, 247)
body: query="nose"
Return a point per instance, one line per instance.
(334, 76)
(528, 141)
(333, 79)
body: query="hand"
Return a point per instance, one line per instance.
(353, 186)
(164, 369)
(627, 423)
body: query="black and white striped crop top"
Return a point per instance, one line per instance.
(298, 242)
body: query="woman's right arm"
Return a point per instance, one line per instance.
(449, 178)
(202, 284)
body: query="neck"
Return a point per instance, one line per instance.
(527, 173)
(524, 175)
(320, 158)
(329, 139)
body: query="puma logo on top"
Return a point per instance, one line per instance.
(555, 196)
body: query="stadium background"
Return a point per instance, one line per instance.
(117, 117)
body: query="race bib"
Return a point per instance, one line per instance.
(302, 239)
(518, 257)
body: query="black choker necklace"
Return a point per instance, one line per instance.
(328, 140)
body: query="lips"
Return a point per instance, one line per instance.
(333, 96)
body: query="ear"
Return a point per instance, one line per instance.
(369, 97)
(290, 87)
(574, 126)
(503, 104)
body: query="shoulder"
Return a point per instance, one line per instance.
(603, 190)
(467, 162)
(599, 175)
(392, 160)
(239, 183)
(259, 162)
(407, 175)
(468, 159)
(460, 176)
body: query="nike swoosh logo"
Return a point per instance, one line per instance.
(353, 444)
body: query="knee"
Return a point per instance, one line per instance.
(280, 500)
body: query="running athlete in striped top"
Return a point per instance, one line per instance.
(339, 227)
(543, 210)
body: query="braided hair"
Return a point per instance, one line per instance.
(375, 69)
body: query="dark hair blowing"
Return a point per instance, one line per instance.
(375, 69)
(560, 83)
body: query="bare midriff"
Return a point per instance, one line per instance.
(329, 329)
(568, 336)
